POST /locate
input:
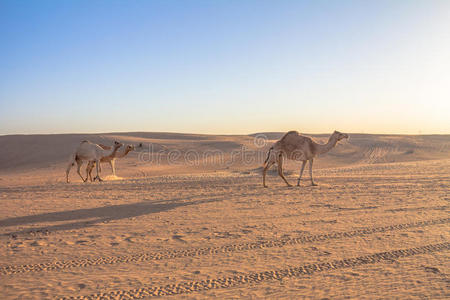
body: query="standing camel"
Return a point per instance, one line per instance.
(110, 158)
(88, 151)
(297, 147)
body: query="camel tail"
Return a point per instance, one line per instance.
(268, 155)
(72, 161)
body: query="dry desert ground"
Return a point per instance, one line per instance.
(187, 218)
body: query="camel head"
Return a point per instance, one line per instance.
(339, 135)
(129, 148)
(117, 145)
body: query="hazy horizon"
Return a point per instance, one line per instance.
(219, 134)
(231, 67)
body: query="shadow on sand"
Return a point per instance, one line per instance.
(88, 217)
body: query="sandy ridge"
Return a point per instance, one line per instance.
(195, 252)
(228, 282)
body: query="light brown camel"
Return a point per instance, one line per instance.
(88, 151)
(111, 159)
(298, 147)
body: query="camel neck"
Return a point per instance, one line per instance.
(123, 153)
(326, 147)
(114, 151)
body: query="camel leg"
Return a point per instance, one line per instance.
(71, 163)
(266, 167)
(89, 169)
(79, 164)
(98, 170)
(280, 169)
(112, 163)
(301, 172)
(310, 172)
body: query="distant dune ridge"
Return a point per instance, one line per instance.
(189, 152)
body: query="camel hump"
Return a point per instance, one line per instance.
(290, 133)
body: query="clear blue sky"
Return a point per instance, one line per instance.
(224, 66)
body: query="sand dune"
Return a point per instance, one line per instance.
(200, 225)
(43, 152)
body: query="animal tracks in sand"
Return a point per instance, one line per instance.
(195, 252)
(124, 238)
(254, 278)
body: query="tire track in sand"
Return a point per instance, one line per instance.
(194, 252)
(252, 278)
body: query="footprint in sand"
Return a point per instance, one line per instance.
(94, 236)
(18, 245)
(178, 238)
(432, 270)
(37, 244)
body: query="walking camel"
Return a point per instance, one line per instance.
(298, 147)
(111, 159)
(88, 151)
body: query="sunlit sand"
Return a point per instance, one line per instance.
(376, 226)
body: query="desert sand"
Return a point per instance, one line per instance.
(188, 218)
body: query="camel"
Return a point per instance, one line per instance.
(110, 158)
(88, 151)
(300, 148)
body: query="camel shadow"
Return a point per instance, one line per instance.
(82, 218)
